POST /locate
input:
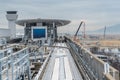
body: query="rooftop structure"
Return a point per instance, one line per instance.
(43, 22)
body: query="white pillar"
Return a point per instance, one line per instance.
(12, 27)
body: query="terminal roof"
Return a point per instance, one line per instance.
(48, 21)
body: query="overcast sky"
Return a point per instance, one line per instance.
(96, 13)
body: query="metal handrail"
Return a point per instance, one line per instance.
(115, 73)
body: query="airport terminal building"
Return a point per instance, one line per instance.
(50, 26)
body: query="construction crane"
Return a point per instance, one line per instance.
(75, 36)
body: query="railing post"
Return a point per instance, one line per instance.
(106, 68)
(0, 70)
(12, 61)
(7, 69)
(28, 65)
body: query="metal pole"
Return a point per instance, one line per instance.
(28, 64)
(104, 32)
(7, 69)
(53, 31)
(12, 67)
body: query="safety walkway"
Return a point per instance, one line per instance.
(61, 65)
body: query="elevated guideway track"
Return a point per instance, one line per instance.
(71, 61)
(61, 65)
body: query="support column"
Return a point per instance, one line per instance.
(55, 33)
(25, 34)
(54, 30)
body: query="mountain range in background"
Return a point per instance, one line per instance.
(115, 29)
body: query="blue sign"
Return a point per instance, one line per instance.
(39, 33)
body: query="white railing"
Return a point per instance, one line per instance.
(13, 65)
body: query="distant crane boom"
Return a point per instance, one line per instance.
(79, 28)
(75, 36)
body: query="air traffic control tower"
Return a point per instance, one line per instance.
(12, 17)
(50, 24)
